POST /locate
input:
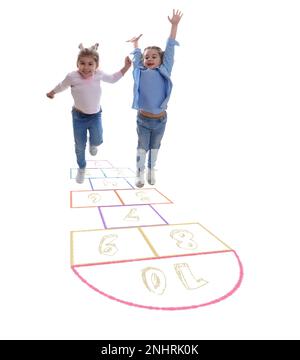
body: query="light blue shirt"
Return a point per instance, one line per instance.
(152, 90)
(164, 71)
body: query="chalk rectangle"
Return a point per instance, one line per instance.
(110, 183)
(102, 246)
(182, 239)
(118, 172)
(144, 196)
(129, 216)
(94, 198)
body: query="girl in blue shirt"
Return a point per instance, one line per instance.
(151, 93)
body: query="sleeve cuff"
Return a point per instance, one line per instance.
(172, 42)
(136, 51)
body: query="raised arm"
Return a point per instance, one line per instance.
(137, 55)
(135, 41)
(174, 20)
(126, 66)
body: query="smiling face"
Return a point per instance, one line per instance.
(87, 66)
(151, 58)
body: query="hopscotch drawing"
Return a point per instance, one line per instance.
(125, 249)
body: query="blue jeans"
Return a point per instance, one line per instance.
(82, 123)
(150, 133)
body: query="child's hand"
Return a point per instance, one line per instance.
(176, 17)
(127, 63)
(126, 66)
(135, 40)
(50, 94)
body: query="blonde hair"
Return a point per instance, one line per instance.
(91, 52)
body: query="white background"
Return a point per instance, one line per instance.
(230, 155)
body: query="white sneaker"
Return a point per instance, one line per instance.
(93, 150)
(80, 176)
(151, 176)
(139, 180)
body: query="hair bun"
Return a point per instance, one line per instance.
(94, 47)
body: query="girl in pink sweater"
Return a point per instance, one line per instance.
(85, 86)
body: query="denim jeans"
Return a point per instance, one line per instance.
(82, 124)
(150, 133)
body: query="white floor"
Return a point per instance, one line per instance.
(229, 160)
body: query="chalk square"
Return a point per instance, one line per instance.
(118, 172)
(144, 196)
(128, 216)
(102, 246)
(94, 198)
(182, 239)
(110, 183)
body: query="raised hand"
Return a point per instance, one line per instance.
(174, 20)
(127, 64)
(134, 40)
(177, 15)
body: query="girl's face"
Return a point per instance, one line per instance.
(151, 59)
(86, 66)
